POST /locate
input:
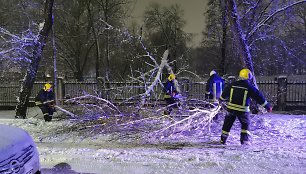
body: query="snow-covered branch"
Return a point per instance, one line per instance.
(264, 21)
(93, 101)
(157, 77)
(17, 47)
(154, 74)
(199, 119)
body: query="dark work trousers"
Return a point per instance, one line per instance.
(47, 112)
(170, 101)
(244, 119)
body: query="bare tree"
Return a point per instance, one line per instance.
(216, 43)
(265, 27)
(243, 34)
(19, 28)
(164, 29)
(74, 37)
(38, 47)
(111, 12)
(83, 36)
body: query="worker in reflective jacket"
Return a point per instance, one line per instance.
(170, 93)
(214, 87)
(238, 96)
(45, 101)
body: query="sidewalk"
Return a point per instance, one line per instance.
(31, 112)
(5, 114)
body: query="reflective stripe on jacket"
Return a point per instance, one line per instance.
(214, 87)
(239, 94)
(44, 96)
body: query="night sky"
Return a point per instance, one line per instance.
(193, 10)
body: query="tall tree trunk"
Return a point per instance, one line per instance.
(107, 57)
(106, 15)
(242, 42)
(224, 9)
(28, 81)
(242, 45)
(55, 86)
(98, 52)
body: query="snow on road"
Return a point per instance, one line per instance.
(279, 146)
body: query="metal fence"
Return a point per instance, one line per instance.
(281, 92)
(269, 90)
(296, 93)
(8, 94)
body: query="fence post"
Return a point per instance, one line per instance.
(59, 92)
(186, 87)
(104, 87)
(100, 84)
(281, 92)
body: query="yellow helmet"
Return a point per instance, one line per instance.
(171, 77)
(245, 74)
(47, 86)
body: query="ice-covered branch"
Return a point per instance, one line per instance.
(6, 32)
(198, 118)
(154, 74)
(88, 97)
(264, 21)
(157, 77)
(16, 47)
(66, 111)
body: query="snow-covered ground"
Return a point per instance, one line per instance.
(279, 146)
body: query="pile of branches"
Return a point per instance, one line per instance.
(94, 116)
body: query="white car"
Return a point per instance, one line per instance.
(18, 152)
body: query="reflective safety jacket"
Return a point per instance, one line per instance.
(169, 89)
(238, 95)
(214, 87)
(44, 97)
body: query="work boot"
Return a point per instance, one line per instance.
(47, 118)
(223, 138)
(246, 143)
(244, 139)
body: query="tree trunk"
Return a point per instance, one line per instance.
(55, 85)
(106, 15)
(242, 45)
(98, 52)
(224, 35)
(107, 74)
(28, 81)
(242, 42)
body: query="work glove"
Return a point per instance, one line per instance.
(268, 107)
(206, 96)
